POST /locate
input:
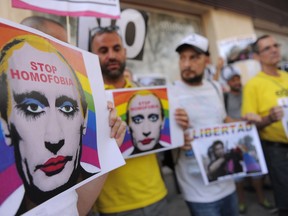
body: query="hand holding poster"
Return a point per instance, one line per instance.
(228, 150)
(48, 115)
(148, 113)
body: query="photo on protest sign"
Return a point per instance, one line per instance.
(49, 139)
(149, 114)
(283, 102)
(229, 150)
(236, 48)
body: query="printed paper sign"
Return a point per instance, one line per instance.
(228, 150)
(149, 114)
(96, 8)
(49, 138)
(236, 48)
(284, 103)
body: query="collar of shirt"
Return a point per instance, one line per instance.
(128, 84)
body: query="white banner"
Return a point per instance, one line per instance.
(96, 8)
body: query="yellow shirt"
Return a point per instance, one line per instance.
(135, 185)
(260, 94)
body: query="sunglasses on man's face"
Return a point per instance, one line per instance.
(100, 29)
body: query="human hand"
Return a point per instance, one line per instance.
(181, 118)
(252, 118)
(118, 127)
(275, 114)
(220, 63)
(187, 141)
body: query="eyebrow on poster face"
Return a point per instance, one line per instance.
(33, 104)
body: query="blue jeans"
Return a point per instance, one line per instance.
(228, 206)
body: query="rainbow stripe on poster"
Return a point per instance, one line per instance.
(120, 101)
(9, 178)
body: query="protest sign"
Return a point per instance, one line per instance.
(96, 8)
(49, 140)
(149, 114)
(229, 150)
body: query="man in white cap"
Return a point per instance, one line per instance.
(203, 102)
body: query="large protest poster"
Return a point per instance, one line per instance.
(149, 114)
(95, 8)
(49, 140)
(229, 150)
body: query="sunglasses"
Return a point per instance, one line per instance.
(100, 29)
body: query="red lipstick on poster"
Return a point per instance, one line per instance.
(146, 141)
(54, 165)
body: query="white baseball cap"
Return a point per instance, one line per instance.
(230, 71)
(198, 42)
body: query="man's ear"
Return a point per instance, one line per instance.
(84, 126)
(6, 132)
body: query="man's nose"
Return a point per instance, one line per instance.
(146, 134)
(54, 147)
(111, 54)
(54, 131)
(146, 128)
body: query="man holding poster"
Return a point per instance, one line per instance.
(136, 188)
(264, 95)
(203, 101)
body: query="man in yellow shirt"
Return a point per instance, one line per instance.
(136, 188)
(263, 95)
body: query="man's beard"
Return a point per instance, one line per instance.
(193, 80)
(236, 89)
(115, 74)
(35, 194)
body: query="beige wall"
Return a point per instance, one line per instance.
(16, 15)
(221, 24)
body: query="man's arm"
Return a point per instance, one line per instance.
(88, 193)
(183, 121)
(215, 165)
(219, 66)
(275, 114)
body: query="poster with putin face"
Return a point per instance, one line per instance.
(149, 114)
(48, 112)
